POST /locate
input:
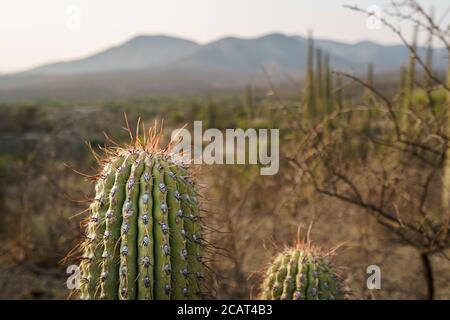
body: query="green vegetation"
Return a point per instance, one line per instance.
(367, 160)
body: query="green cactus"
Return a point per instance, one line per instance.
(309, 95)
(409, 83)
(249, 103)
(339, 98)
(429, 54)
(319, 81)
(444, 218)
(302, 273)
(327, 84)
(368, 99)
(143, 235)
(402, 78)
(369, 82)
(212, 112)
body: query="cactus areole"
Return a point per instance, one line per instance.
(301, 273)
(143, 235)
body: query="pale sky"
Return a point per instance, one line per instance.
(37, 32)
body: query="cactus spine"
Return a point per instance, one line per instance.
(143, 235)
(302, 273)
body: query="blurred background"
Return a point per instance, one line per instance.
(360, 95)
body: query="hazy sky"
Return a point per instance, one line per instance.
(36, 32)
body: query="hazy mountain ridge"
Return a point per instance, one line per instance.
(160, 64)
(137, 53)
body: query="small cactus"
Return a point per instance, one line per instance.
(302, 273)
(143, 236)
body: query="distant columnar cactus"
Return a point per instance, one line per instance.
(143, 235)
(302, 273)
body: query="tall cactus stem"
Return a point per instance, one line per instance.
(409, 83)
(309, 86)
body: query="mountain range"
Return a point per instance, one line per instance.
(157, 64)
